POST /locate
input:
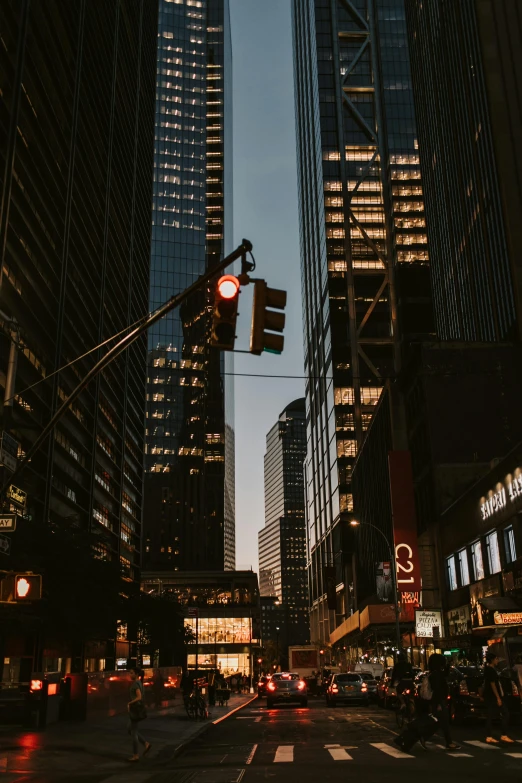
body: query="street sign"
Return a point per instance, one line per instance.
(193, 613)
(5, 545)
(17, 495)
(8, 451)
(8, 523)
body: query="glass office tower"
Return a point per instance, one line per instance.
(282, 541)
(364, 256)
(464, 59)
(189, 484)
(76, 143)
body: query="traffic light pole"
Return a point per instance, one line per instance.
(244, 248)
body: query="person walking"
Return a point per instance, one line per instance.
(494, 698)
(439, 701)
(136, 710)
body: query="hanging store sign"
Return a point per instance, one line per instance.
(428, 624)
(404, 522)
(17, 495)
(503, 494)
(507, 618)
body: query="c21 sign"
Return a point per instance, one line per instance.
(404, 522)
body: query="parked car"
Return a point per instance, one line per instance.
(286, 687)
(348, 687)
(386, 691)
(371, 684)
(261, 686)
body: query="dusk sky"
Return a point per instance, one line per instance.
(265, 211)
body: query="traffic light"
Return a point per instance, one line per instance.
(27, 587)
(266, 321)
(224, 316)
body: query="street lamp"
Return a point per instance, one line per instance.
(393, 566)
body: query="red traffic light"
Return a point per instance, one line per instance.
(228, 286)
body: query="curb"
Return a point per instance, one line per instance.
(206, 727)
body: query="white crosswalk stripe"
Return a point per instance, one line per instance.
(391, 751)
(339, 754)
(284, 753)
(514, 755)
(479, 744)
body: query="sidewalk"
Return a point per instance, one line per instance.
(101, 747)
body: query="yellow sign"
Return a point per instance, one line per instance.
(17, 495)
(507, 618)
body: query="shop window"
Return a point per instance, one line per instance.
(493, 553)
(462, 557)
(452, 572)
(476, 559)
(509, 544)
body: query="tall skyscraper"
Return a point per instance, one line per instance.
(364, 255)
(76, 145)
(465, 58)
(189, 484)
(282, 542)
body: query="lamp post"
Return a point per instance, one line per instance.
(393, 566)
(277, 646)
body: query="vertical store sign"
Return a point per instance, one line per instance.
(404, 522)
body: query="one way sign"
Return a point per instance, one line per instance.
(8, 522)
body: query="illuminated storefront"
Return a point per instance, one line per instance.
(221, 609)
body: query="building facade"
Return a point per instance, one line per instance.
(76, 143)
(464, 56)
(282, 542)
(228, 616)
(189, 454)
(364, 256)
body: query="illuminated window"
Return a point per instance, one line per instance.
(493, 553)
(346, 448)
(462, 557)
(509, 544)
(451, 572)
(477, 562)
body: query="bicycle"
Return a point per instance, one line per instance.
(405, 709)
(196, 706)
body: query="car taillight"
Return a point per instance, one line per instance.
(271, 686)
(365, 688)
(301, 684)
(334, 689)
(463, 688)
(407, 691)
(514, 689)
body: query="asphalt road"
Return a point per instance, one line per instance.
(316, 743)
(320, 743)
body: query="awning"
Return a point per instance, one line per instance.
(498, 603)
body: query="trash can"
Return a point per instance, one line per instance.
(73, 693)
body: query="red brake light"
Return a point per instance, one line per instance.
(365, 688)
(271, 686)
(335, 689)
(301, 684)
(407, 690)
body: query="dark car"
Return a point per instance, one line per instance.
(261, 686)
(371, 684)
(349, 687)
(465, 700)
(286, 687)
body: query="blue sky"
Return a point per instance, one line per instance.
(265, 211)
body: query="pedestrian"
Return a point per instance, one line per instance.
(439, 700)
(158, 684)
(517, 673)
(137, 712)
(494, 698)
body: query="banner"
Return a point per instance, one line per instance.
(404, 522)
(384, 581)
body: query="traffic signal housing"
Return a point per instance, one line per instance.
(224, 316)
(267, 321)
(27, 587)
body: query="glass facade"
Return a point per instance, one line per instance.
(469, 118)
(282, 542)
(189, 454)
(76, 143)
(364, 254)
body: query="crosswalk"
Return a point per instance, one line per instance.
(336, 752)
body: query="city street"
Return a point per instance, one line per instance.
(302, 744)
